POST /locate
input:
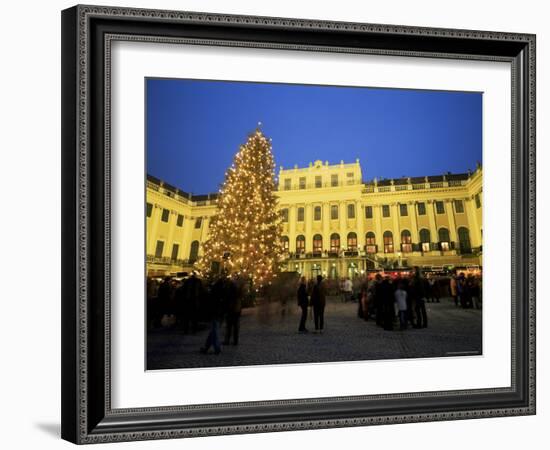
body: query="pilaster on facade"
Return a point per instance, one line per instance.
(414, 222)
(450, 211)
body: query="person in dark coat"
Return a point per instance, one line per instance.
(379, 300)
(388, 309)
(419, 291)
(193, 291)
(233, 305)
(318, 300)
(303, 304)
(165, 297)
(214, 312)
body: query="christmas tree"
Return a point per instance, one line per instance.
(244, 234)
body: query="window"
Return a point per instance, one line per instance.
(334, 180)
(300, 244)
(352, 241)
(385, 210)
(334, 243)
(165, 215)
(370, 242)
(439, 207)
(351, 211)
(317, 243)
(302, 182)
(300, 214)
(194, 252)
(478, 201)
(425, 239)
(175, 251)
(318, 181)
(368, 212)
(421, 208)
(388, 242)
(198, 222)
(286, 243)
(159, 249)
(349, 177)
(334, 212)
(459, 206)
(403, 211)
(317, 213)
(284, 215)
(406, 241)
(444, 240)
(464, 240)
(179, 222)
(149, 209)
(287, 184)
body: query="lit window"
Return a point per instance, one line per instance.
(388, 242)
(317, 243)
(300, 244)
(444, 239)
(370, 242)
(406, 241)
(425, 239)
(352, 241)
(334, 242)
(286, 243)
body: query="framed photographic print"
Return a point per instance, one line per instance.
(283, 224)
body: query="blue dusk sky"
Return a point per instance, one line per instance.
(195, 127)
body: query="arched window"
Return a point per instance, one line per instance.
(370, 240)
(444, 240)
(352, 241)
(464, 240)
(194, 252)
(317, 213)
(406, 241)
(317, 243)
(300, 244)
(286, 243)
(425, 239)
(334, 242)
(388, 242)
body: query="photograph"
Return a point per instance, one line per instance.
(302, 224)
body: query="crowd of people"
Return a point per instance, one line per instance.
(183, 303)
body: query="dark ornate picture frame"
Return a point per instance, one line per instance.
(87, 34)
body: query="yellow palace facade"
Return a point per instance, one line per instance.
(334, 223)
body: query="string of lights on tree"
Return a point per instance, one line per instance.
(244, 236)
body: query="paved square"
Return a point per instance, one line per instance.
(269, 335)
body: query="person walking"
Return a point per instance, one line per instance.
(453, 288)
(401, 301)
(303, 304)
(378, 300)
(318, 300)
(388, 308)
(348, 290)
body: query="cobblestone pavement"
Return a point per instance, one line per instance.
(269, 336)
